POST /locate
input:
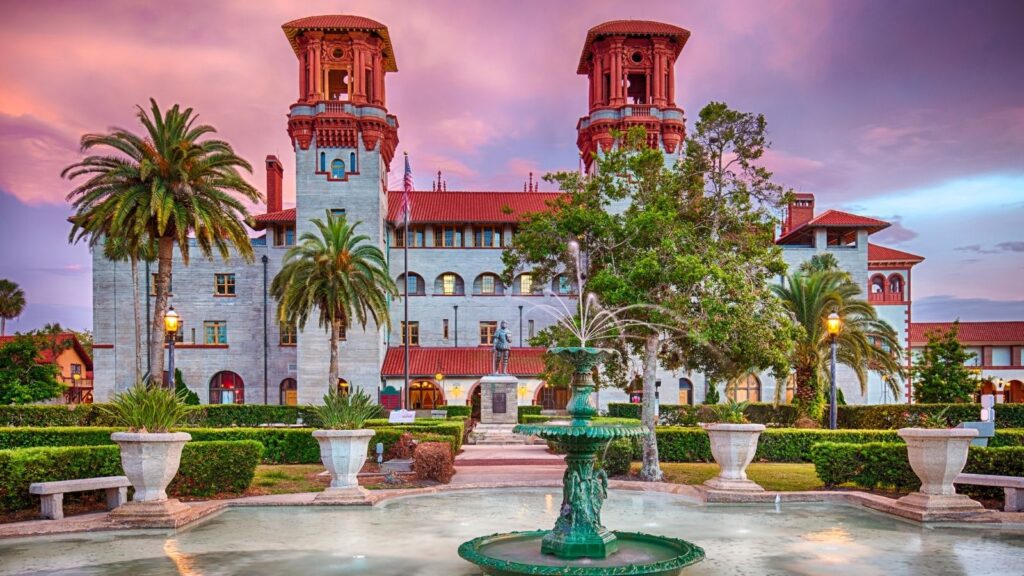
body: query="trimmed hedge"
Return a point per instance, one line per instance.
(624, 410)
(781, 415)
(886, 465)
(207, 468)
(281, 445)
(616, 459)
(457, 411)
(523, 411)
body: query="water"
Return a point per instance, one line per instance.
(419, 536)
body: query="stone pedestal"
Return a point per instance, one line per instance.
(937, 456)
(499, 399)
(733, 447)
(170, 513)
(350, 496)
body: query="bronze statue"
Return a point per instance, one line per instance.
(502, 349)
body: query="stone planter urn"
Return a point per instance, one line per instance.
(733, 446)
(343, 453)
(937, 457)
(150, 461)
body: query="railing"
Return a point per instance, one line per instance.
(886, 297)
(78, 391)
(640, 109)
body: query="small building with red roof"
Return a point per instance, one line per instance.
(74, 364)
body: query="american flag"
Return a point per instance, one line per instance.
(406, 209)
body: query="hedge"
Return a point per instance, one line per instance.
(528, 411)
(781, 415)
(207, 468)
(281, 445)
(886, 465)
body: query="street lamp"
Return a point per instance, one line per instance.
(833, 324)
(171, 322)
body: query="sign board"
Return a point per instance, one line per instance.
(402, 417)
(499, 403)
(438, 414)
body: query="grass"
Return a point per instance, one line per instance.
(780, 477)
(287, 479)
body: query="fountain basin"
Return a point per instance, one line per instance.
(518, 553)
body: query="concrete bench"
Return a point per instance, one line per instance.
(52, 493)
(1013, 488)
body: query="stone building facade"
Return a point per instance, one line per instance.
(231, 347)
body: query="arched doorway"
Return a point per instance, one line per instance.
(425, 395)
(227, 388)
(745, 389)
(474, 402)
(551, 397)
(289, 392)
(1014, 392)
(685, 392)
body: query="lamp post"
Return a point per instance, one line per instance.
(833, 324)
(171, 321)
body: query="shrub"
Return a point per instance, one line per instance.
(434, 461)
(617, 457)
(402, 449)
(730, 413)
(524, 410)
(206, 468)
(190, 398)
(892, 416)
(148, 408)
(458, 411)
(346, 411)
(624, 410)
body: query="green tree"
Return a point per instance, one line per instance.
(23, 379)
(12, 303)
(338, 274)
(687, 262)
(171, 186)
(865, 343)
(184, 392)
(940, 373)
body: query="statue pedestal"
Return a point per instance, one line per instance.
(499, 411)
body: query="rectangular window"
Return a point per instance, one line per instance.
(525, 284)
(413, 332)
(448, 284)
(284, 235)
(414, 285)
(224, 284)
(76, 369)
(444, 328)
(487, 330)
(564, 286)
(215, 332)
(415, 236)
(179, 336)
(153, 282)
(448, 236)
(532, 330)
(289, 334)
(487, 237)
(487, 284)
(338, 212)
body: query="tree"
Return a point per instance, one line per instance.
(339, 275)
(171, 186)
(687, 262)
(940, 372)
(23, 379)
(12, 303)
(184, 392)
(865, 343)
(124, 248)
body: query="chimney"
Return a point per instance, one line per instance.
(799, 212)
(275, 181)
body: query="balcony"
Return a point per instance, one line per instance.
(886, 298)
(78, 391)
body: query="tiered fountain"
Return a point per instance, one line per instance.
(579, 545)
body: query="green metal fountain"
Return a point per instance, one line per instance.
(579, 545)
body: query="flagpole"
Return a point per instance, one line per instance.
(405, 276)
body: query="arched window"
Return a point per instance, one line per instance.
(552, 397)
(877, 284)
(227, 388)
(289, 392)
(323, 162)
(337, 168)
(343, 388)
(563, 285)
(414, 287)
(524, 285)
(425, 395)
(449, 284)
(352, 162)
(896, 285)
(685, 392)
(488, 284)
(745, 389)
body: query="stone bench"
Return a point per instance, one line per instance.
(52, 493)
(1013, 488)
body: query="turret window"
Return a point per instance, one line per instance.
(337, 85)
(337, 168)
(323, 162)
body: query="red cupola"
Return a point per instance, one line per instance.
(631, 68)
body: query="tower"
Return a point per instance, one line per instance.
(630, 65)
(344, 141)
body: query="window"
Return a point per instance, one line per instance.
(224, 284)
(215, 332)
(289, 392)
(413, 332)
(685, 392)
(487, 330)
(284, 235)
(338, 212)
(877, 284)
(487, 237)
(227, 388)
(525, 285)
(449, 284)
(531, 331)
(153, 282)
(352, 163)
(323, 162)
(415, 236)
(425, 395)
(337, 168)
(444, 328)
(448, 236)
(414, 286)
(896, 285)
(554, 398)
(563, 285)
(488, 284)
(745, 389)
(76, 369)
(289, 334)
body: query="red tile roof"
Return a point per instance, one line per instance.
(340, 22)
(835, 219)
(473, 362)
(631, 28)
(281, 217)
(971, 332)
(483, 207)
(46, 355)
(878, 253)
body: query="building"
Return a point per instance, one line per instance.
(231, 348)
(998, 349)
(74, 365)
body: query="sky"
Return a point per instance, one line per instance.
(910, 111)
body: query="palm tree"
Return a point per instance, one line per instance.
(168, 186)
(12, 302)
(120, 249)
(865, 343)
(338, 273)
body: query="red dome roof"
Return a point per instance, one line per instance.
(340, 23)
(631, 28)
